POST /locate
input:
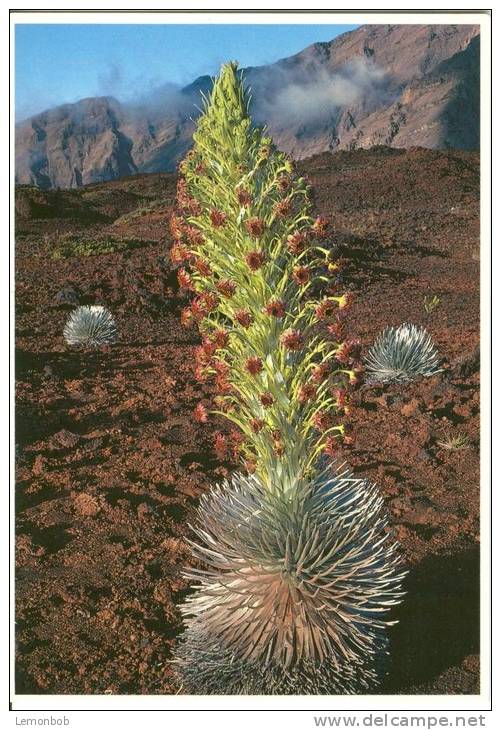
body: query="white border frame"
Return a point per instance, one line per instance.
(436, 704)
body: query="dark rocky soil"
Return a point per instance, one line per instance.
(110, 462)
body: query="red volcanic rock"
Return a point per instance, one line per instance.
(86, 584)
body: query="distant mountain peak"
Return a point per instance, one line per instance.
(399, 85)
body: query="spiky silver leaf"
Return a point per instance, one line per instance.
(401, 354)
(90, 325)
(206, 667)
(296, 588)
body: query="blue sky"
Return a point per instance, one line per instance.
(62, 63)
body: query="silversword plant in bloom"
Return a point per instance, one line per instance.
(249, 251)
(295, 592)
(90, 326)
(401, 354)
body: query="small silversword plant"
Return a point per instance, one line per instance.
(431, 303)
(456, 442)
(401, 354)
(90, 326)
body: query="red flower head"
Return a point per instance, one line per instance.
(282, 208)
(222, 368)
(179, 253)
(266, 399)
(194, 235)
(340, 396)
(319, 372)
(226, 287)
(343, 353)
(208, 347)
(331, 447)
(176, 226)
(184, 279)
(243, 197)
(275, 308)
(237, 439)
(198, 311)
(292, 340)
(257, 424)
(222, 385)
(283, 182)
(186, 317)
(200, 414)
(279, 449)
(296, 242)
(200, 374)
(202, 356)
(255, 259)
(220, 338)
(349, 439)
(322, 421)
(218, 218)
(208, 301)
(320, 226)
(220, 445)
(336, 329)
(181, 190)
(307, 392)
(243, 318)
(193, 206)
(254, 365)
(301, 275)
(255, 226)
(276, 435)
(326, 308)
(202, 267)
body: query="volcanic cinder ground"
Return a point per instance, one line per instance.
(110, 462)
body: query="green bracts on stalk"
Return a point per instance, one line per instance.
(256, 257)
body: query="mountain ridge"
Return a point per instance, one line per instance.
(399, 85)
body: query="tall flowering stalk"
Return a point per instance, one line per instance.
(252, 255)
(288, 591)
